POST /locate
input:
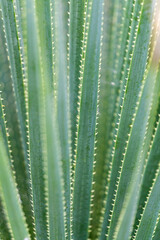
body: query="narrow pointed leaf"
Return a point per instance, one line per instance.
(12, 87)
(132, 89)
(10, 198)
(117, 18)
(35, 142)
(148, 221)
(62, 98)
(134, 166)
(157, 231)
(55, 193)
(86, 131)
(50, 139)
(76, 29)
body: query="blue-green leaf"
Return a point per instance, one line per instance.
(62, 98)
(13, 94)
(132, 87)
(87, 124)
(134, 161)
(35, 120)
(10, 198)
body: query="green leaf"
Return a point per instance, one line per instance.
(3, 128)
(10, 198)
(148, 221)
(12, 86)
(36, 123)
(132, 87)
(150, 165)
(50, 138)
(157, 231)
(117, 17)
(55, 193)
(76, 31)
(128, 211)
(62, 98)
(4, 228)
(134, 162)
(87, 123)
(15, 66)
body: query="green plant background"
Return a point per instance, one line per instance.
(79, 119)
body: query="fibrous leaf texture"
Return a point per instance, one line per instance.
(79, 120)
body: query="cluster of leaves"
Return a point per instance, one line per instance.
(79, 119)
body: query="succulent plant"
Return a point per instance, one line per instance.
(79, 119)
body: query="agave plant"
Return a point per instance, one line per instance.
(79, 119)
